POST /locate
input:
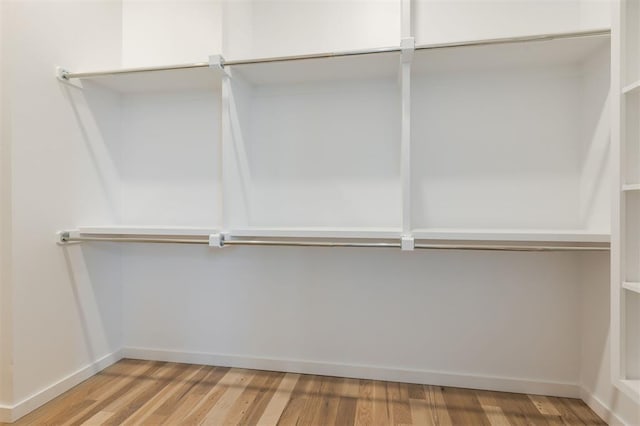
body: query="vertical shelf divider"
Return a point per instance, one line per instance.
(620, 57)
(407, 45)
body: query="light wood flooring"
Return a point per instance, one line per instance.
(148, 392)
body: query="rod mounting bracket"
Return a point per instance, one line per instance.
(62, 74)
(216, 62)
(62, 237)
(407, 47)
(216, 240)
(407, 243)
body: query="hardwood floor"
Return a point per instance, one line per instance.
(146, 392)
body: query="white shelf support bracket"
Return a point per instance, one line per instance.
(407, 243)
(407, 46)
(216, 62)
(216, 240)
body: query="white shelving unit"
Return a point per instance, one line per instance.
(381, 144)
(313, 144)
(494, 140)
(164, 166)
(625, 249)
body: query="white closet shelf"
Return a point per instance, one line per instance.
(197, 76)
(317, 232)
(631, 187)
(516, 235)
(632, 286)
(630, 88)
(146, 230)
(354, 67)
(527, 52)
(631, 388)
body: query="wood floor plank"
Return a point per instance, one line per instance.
(198, 396)
(438, 406)
(463, 407)
(330, 395)
(208, 400)
(149, 392)
(176, 399)
(364, 409)
(583, 412)
(547, 409)
(127, 406)
(113, 394)
(244, 401)
(381, 412)
(297, 401)
(155, 402)
(279, 400)
(416, 391)
(235, 382)
(262, 400)
(312, 401)
(69, 403)
(420, 411)
(346, 413)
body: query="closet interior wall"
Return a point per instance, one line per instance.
(155, 157)
(5, 233)
(65, 304)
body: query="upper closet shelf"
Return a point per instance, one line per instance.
(150, 79)
(294, 232)
(146, 230)
(515, 235)
(631, 87)
(530, 52)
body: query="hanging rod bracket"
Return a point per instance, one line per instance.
(62, 237)
(407, 243)
(62, 74)
(216, 240)
(216, 62)
(407, 47)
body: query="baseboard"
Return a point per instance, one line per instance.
(13, 413)
(600, 408)
(5, 414)
(503, 384)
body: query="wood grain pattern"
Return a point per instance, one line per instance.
(133, 392)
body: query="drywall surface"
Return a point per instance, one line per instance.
(287, 27)
(66, 302)
(508, 315)
(595, 164)
(5, 230)
(159, 32)
(438, 21)
(595, 368)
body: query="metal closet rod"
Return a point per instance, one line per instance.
(507, 40)
(65, 237)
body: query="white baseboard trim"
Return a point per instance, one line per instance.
(27, 405)
(503, 384)
(5, 414)
(600, 408)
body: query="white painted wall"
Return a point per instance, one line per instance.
(5, 233)
(595, 162)
(158, 32)
(285, 27)
(595, 376)
(441, 21)
(66, 302)
(386, 309)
